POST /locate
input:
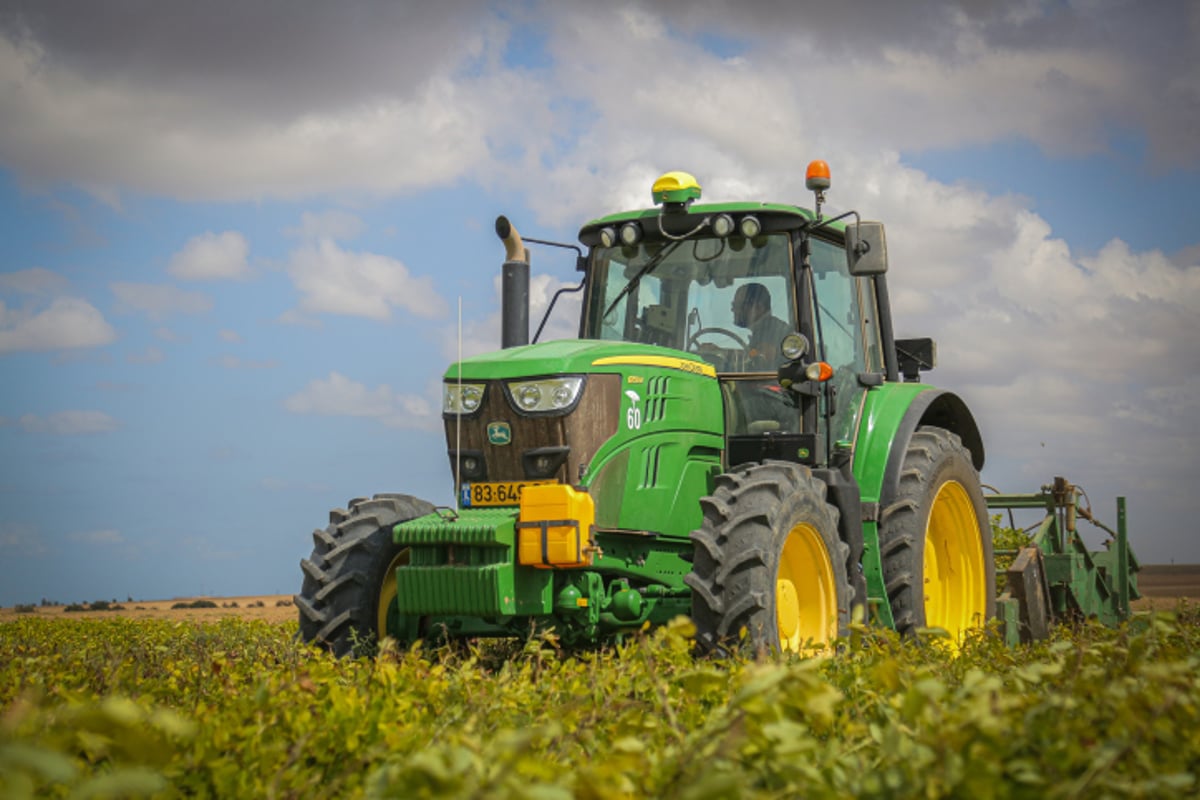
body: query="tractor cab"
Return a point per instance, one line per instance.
(762, 292)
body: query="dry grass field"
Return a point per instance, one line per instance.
(270, 607)
(1164, 585)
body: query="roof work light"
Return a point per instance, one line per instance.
(631, 234)
(722, 225)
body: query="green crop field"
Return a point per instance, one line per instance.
(137, 708)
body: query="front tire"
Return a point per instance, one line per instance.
(349, 590)
(768, 563)
(936, 540)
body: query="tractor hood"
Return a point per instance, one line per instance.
(574, 356)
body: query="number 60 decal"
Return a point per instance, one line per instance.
(633, 417)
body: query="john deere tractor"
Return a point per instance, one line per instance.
(735, 436)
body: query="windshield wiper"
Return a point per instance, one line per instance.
(641, 273)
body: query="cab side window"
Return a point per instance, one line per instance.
(841, 330)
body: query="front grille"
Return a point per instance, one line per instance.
(582, 431)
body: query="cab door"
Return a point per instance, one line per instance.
(846, 336)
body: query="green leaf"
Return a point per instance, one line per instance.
(45, 764)
(129, 782)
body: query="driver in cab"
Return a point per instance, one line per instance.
(752, 309)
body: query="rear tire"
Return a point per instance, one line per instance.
(936, 540)
(768, 562)
(349, 589)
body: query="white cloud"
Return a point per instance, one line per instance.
(336, 281)
(338, 395)
(38, 280)
(151, 355)
(158, 301)
(909, 81)
(21, 539)
(403, 97)
(331, 224)
(293, 316)
(234, 362)
(69, 423)
(68, 322)
(211, 256)
(408, 113)
(231, 336)
(100, 537)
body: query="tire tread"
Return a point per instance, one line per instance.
(342, 576)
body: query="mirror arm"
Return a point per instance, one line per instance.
(580, 261)
(810, 227)
(553, 300)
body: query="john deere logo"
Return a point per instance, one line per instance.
(499, 433)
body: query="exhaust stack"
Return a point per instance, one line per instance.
(514, 287)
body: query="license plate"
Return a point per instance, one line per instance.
(500, 493)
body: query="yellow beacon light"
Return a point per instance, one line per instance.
(675, 188)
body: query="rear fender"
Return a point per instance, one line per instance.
(891, 414)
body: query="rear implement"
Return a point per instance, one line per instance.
(1055, 577)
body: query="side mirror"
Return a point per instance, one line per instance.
(866, 248)
(916, 356)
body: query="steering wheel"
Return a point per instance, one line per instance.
(693, 345)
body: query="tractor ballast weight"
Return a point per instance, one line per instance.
(729, 438)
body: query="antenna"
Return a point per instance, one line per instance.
(458, 418)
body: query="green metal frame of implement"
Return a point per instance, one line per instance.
(1055, 577)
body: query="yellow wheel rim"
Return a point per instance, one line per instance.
(805, 591)
(955, 578)
(387, 594)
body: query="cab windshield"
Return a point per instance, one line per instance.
(729, 300)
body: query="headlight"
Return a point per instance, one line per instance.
(461, 398)
(793, 346)
(545, 395)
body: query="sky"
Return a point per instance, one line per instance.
(235, 239)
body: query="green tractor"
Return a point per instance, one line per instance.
(735, 435)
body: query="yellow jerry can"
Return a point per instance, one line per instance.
(555, 527)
